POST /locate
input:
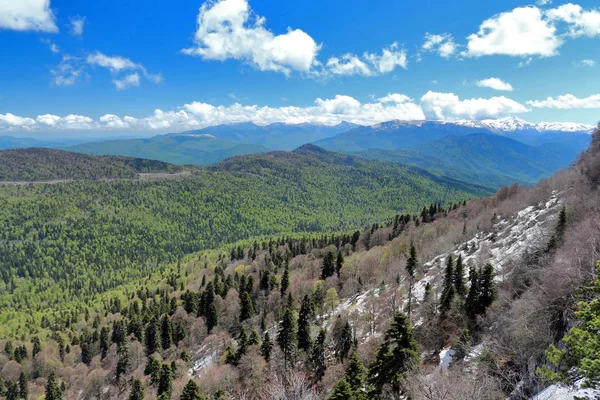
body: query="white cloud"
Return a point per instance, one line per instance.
(27, 15)
(585, 63)
(13, 121)
(520, 32)
(114, 64)
(543, 2)
(369, 65)
(567, 101)
(131, 80)
(442, 44)
(448, 106)
(394, 98)
(67, 72)
(77, 24)
(496, 84)
(525, 62)
(227, 29)
(580, 22)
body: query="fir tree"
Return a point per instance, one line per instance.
(285, 280)
(411, 269)
(12, 390)
(86, 353)
(317, 357)
(487, 290)
(53, 391)
(395, 356)
(23, 387)
(152, 337)
(339, 263)
(246, 306)
(266, 347)
(328, 268)
(191, 391)
(166, 332)
(122, 362)
(459, 277)
(448, 290)
(137, 390)
(242, 343)
(304, 318)
(472, 302)
(286, 336)
(104, 345)
(37, 346)
(356, 376)
(342, 391)
(212, 317)
(165, 383)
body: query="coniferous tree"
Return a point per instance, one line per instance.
(212, 317)
(356, 376)
(152, 337)
(395, 356)
(137, 390)
(286, 335)
(342, 391)
(487, 290)
(122, 361)
(472, 302)
(12, 390)
(317, 357)
(191, 391)
(266, 347)
(165, 383)
(53, 391)
(285, 280)
(104, 345)
(411, 269)
(304, 317)
(23, 387)
(242, 342)
(166, 332)
(448, 290)
(246, 306)
(459, 277)
(328, 268)
(37, 346)
(86, 353)
(339, 263)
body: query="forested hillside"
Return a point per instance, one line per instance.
(455, 300)
(69, 240)
(41, 164)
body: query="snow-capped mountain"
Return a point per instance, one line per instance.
(512, 124)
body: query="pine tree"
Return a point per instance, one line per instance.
(242, 343)
(165, 383)
(122, 362)
(459, 277)
(304, 317)
(104, 345)
(137, 390)
(285, 280)
(12, 390)
(339, 263)
(53, 391)
(152, 337)
(328, 268)
(356, 375)
(212, 317)
(343, 339)
(246, 306)
(342, 391)
(487, 290)
(152, 368)
(266, 347)
(191, 391)
(166, 332)
(317, 357)
(411, 269)
(286, 336)
(395, 356)
(37, 346)
(23, 387)
(472, 302)
(448, 290)
(86, 353)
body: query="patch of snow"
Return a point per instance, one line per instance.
(446, 357)
(559, 392)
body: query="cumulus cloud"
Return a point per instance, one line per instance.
(580, 22)
(496, 84)
(369, 64)
(117, 64)
(442, 44)
(567, 101)
(227, 29)
(27, 15)
(128, 81)
(521, 32)
(448, 106)
(77, 24)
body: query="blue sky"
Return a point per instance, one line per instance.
(138, 68)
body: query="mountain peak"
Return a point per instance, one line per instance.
(310, 148)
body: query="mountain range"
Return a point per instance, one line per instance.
(507, 150)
